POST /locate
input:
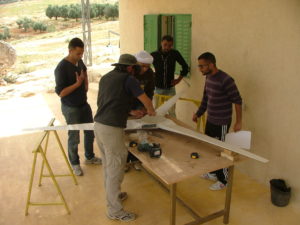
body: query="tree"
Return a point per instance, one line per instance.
(50, 11)
(64, 11)
(5, 34)
(56, 11)
(25, 23)
(111, 11)
(93, 11)
(100, 10)
(74, 11)
(116, 10)
(43, 27)
(20, 23)
(39, 26)
(35, 26)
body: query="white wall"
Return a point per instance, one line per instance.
(258, 43)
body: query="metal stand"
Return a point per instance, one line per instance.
(39, 149)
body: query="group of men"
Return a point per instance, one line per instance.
(128, 90)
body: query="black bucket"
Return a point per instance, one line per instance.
(280, 193)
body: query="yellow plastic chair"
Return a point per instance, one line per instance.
(160, 99)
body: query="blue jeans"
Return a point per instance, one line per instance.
(75, 115)
(169, 92)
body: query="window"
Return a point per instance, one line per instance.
(177, 25)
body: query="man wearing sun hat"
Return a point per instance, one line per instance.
(145, 75)
(116, 90)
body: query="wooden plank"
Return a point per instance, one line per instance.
(230, 155)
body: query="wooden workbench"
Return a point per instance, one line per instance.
(176, 165)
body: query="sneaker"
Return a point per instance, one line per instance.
(217, 186)
(77, 170)
(209, 176)
(94, 160)
(125, 217)
(123, 196)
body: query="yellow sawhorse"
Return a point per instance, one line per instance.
(45, 162)
(162, 98)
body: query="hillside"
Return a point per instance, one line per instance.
(39, 52)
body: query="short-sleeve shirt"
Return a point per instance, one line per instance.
(65, 75)
(132, 87)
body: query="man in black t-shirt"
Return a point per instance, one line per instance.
(72, 86)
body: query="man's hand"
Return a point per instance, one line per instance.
(148, 104)
(195, 118)
(68, 90)
(238, 123)
(137, 113)
(151, 112)
(237, 126)
(176, 81)
(80, 78)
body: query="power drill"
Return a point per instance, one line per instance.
(153, 149)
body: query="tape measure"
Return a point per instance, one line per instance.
(194, 155)
(132, 144)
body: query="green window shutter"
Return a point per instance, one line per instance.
(182, 38)
(151, 32)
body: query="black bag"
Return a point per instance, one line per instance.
(280, 193)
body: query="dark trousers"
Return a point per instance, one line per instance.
(76, 115)
(218, 132)
(131, 158)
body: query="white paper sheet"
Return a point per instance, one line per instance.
(241, 139)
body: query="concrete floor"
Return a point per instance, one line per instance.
(250, 201)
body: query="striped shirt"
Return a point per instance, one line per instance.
(220, 92)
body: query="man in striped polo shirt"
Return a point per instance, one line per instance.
(220, 92)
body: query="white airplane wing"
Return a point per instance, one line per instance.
(169, 125)
(131, 125)
(82, 126)
(161, 122)
(134, 124)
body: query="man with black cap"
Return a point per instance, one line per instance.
(116, 90)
